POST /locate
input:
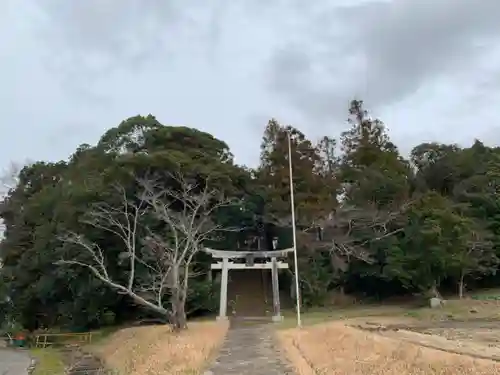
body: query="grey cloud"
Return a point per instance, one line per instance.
(382, 51)
(125, 33)
(101, 29)
(292, 75)
(214, 64)
(87, 40)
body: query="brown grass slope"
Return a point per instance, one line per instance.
(336, 349)
(155, 350)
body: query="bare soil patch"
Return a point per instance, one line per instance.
(469, 341)
(357, 312)
(461, 310)
(155, 350)
(486, 333)
(465, 327)
(336, 349)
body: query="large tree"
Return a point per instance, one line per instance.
(372, 169)
(369, 221)
(313, 174)
(162, 229)
(51, 197)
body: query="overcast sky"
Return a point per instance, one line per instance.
(70, 69)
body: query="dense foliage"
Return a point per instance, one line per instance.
(371, 222)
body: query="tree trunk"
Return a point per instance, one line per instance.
(178, 318)
(461, 286)
(181, 317)
(434, 290)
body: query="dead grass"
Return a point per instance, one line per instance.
(466, 309)
(156, 350)
(473, 348)
(49, 361)
(336, 349)
(323, 315)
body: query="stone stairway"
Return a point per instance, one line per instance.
(80, 362)
(249, 349)
(248, 294)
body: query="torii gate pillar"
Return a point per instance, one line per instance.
(225, 265)
(223, 289)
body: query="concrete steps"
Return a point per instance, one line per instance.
(80, 362)
(250, 294)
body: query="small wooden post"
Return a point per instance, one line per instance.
(276, 291)
(223, 289)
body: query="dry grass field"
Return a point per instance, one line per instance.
(155, 350)
(336, 349)
(462, 337)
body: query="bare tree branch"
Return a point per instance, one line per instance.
(343, 231)
(123, 222)
(184, 211)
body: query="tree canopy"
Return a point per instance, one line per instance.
(370, 220)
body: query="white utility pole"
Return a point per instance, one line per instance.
(294, 231)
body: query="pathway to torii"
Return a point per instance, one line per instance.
(231, 260)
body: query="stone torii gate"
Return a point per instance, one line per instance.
(227, 262)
